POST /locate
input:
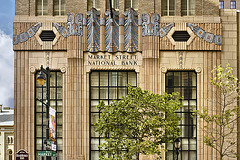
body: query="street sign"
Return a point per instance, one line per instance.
(21, 155)
(47, 154)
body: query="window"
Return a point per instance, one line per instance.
(185, 84)
(131, 4)
(188, 7)
(221, 4)
(42, 7)
(106, 86)
(168, 7)
(93, 4)
(59, 7)
(10, 155)
(115, 4)
(40, 112)
(233, 5)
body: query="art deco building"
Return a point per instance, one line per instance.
(159, 45)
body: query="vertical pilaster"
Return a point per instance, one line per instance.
(150, 70)
(22, 107)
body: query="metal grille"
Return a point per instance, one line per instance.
(105, 86)
(40, 112)
(47, 36)
(180, 36)
(186, 84)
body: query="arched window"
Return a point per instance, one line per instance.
(11, 140)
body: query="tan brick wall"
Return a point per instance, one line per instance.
(22, 7)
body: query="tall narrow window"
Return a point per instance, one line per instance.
(59, 7)
(93, 4)
(42, 7)
(186, 84)
(10, 156)
(233, 4)
(40, 112)
(131, 4)
(188, 7)
(115, 4)
(168, 7)
(106, 86)
(221, 4)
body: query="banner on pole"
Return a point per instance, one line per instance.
(52, 127)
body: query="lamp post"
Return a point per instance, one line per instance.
(177, 145)
(41, 79)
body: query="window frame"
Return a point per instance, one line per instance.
(168, 4)
(41, 11)
(109, 86)
(233, 4)
(182, 112)
(42, 113)
(60, 4)
(188, 8)
(221, 4)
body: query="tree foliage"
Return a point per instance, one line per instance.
(220, 128)
(139, 123)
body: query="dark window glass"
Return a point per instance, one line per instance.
(188, 7)
(233, 5)
(59, 7)
(40, 112)
(168, 7)
(106, 86)
(42, 7)
(221, 4)
(185, 84)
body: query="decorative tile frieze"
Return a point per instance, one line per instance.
(78, 21)
(102, 21)
(164, 30)
(150, 24)
(131, 31)
(180, 56)
(139, 21)
(112, 32)
(208, 37)
(84, 21)
(23, 37)
(62, 30)
(93, 30)
(121, 21)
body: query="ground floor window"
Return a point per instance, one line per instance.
(184, 82)
(40, 112)
(106, 86)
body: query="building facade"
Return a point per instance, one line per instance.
(229, 4)
(6, 133)
(159, 45)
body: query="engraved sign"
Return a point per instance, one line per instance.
(112, 59)
(21, 155)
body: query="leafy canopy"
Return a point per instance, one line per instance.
(141, 122)
(220, 128)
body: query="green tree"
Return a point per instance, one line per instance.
(139, 123)
(220, 128)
